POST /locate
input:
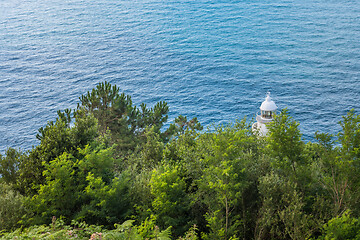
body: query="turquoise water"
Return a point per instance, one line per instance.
(211, 59)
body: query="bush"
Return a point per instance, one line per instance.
(343, 227)
(11, 207)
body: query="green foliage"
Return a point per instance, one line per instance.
(224, 180)
(55, 139)
(338, 168)
(61, 194)
(110, 162)
(152, 117)
(332, 173)
(55, 230)
(81, 230)
(284, 141)
(140, 194)
(191, 234)
(11, 207)
(349, 137)
(171, 203)
(85, 129)
(182, 125)
(282, 215)
(82, 188)
(123, 231)
(184, 150)
(109, 107)
(349, 158)
(116, 112)
(343, 227)
(9, 165)
(109, 203)
(59, 136)
(149, 154)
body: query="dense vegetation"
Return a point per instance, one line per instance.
(109, 170)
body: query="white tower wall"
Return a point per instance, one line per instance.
(267, 111)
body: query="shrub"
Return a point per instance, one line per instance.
(11, 207)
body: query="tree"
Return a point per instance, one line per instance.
(55, 139)
(224, 181)
(61, 194)
(171, 202)
(284, 141)
(149, 154)
(70, 186)
(109, 202)
(116, 112)
(181, 125)
(110, 108)
(9, 165)
(343, 227)
(349, 137)
(11, 207)
(282, 214)
(338, 165)
(331, 173)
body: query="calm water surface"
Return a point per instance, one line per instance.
(211, 59)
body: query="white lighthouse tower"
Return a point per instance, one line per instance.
(268, 109)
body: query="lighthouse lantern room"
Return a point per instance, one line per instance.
(267, 111)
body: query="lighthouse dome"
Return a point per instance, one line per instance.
(268, 104)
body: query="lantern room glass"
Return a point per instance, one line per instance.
(266, 114)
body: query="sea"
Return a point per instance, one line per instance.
(210, 59)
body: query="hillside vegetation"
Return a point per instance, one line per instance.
(110, 170)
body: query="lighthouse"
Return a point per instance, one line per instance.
(267, 112)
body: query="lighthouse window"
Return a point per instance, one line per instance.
(266, 114)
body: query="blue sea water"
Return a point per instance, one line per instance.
(213, 59)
